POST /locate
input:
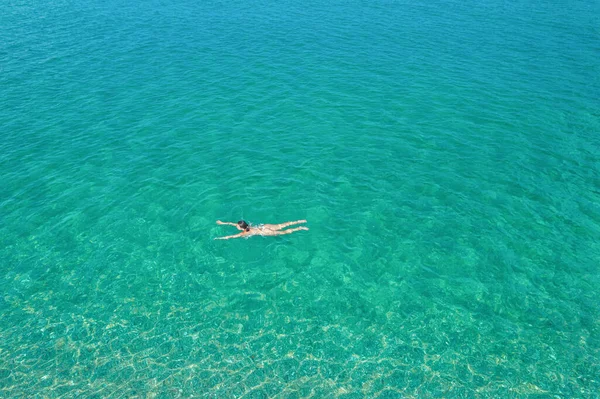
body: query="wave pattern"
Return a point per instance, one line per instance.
(445, 155)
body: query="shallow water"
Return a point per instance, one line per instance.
(445, 155)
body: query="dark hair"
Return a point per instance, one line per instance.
(244, 225)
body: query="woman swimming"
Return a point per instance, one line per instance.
(261, 229)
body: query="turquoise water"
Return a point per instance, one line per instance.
(446, 155)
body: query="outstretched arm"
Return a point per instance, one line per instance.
(228, 237)
(228, 224)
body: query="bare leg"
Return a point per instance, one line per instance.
(283, 225)
(282, 232)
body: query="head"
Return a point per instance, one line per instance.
(244, 225)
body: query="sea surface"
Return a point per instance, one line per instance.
(446, 155)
